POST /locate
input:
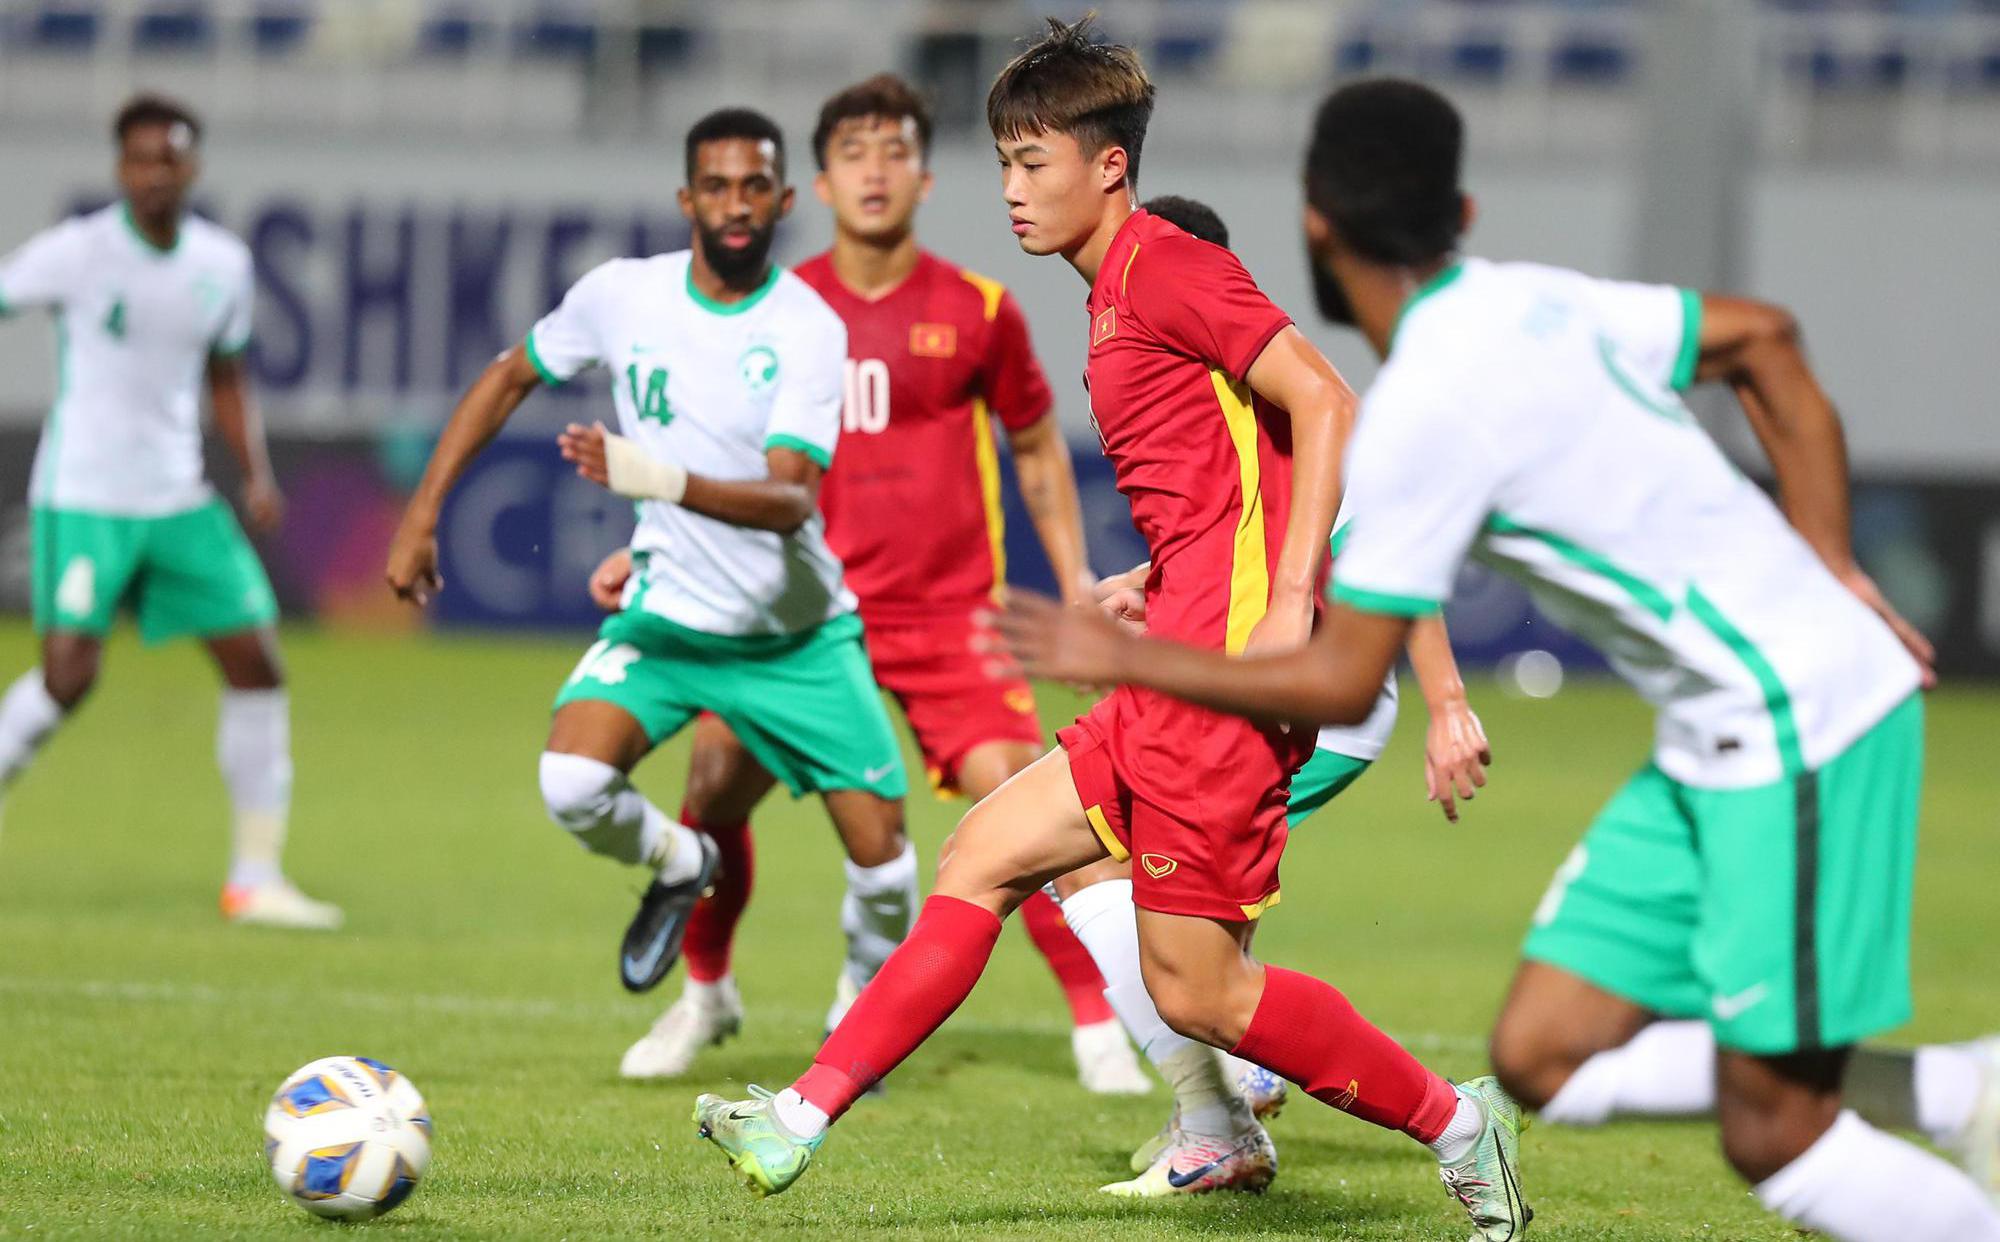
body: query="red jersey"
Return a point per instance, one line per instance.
(1174, 325)
(912, 503)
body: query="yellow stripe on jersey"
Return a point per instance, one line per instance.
(988, 459)
(1250, 572)
(1256, 910)
(1102, 827)
(1125, 277)
(989, 288)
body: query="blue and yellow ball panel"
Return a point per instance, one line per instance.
(326, 1172)
(383, 1074)
(401, 1183)
(318, 1094)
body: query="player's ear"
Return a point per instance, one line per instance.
(1468, 214)
(821, 190)
(1319, 231)
(924, 186)
(785, 201)
(1114, 166)
(686, 199)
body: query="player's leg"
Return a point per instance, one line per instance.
(1104, 1061)
(81, 566)
(1029, 831)
(253, 749)
(725, 783)
(629, 692)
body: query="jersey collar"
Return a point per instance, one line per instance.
(1434, 285)
(714, 307)
(146, 243)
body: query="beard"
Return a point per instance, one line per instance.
(1331, 298)
(737, 267)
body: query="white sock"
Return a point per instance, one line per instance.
(1105, 920)
(799, 1115)
(1948, 1082)
(1461, 1132)
(881, 903)
(253, 747)
(710, 991)
(1666, 1070)
(1858, 1184)
(599, 807)
(27, 716)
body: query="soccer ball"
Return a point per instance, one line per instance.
(347, 1137)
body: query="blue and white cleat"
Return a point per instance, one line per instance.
(1262, 1090)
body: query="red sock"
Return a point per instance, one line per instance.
(924, 980)
(1082, 986)
(711, 930)
(1307, 1031)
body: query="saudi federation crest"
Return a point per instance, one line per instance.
(759, 368)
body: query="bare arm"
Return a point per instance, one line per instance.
(1334, 679)
(782, 501)
(1296, 378)
(1048, 488)
(1455, 750)
(242, 429)
(1755, 348)
(478, 417)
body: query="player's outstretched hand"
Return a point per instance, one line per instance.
(607, 581)
(1913, 641)
(413, 565)
(1081, 646)
(584, 447)
(263, 503)
(1455, 756)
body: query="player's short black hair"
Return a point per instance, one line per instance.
(885, 97)
(1097, 93)
(735, 123)
(1193, 218)
(150, 109)
(1383, 166)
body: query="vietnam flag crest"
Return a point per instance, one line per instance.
(933, 340)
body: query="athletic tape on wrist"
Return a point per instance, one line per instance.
(636, 474)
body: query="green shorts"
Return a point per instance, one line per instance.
(1319, 782)
(1781, 913)
(186, 573)
(805, 705)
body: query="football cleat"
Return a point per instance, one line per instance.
(1978, 1144)
(278, 904)
(1486, 1181)
(653, 940)
(1105, 1063)
(1262, 1090)
(1194, 1164)
(701, 1018)
(767, 1157)
(1147, 1152)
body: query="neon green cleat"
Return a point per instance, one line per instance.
(764, 1154)
(1487, 1180)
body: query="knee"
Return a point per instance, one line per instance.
(1214, 1011)
(69, 679)
(578, 791)
(1529, 1059)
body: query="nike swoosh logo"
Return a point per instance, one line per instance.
(1180, 1181)
(640, 967)
(871, 775)
(1728, 1007)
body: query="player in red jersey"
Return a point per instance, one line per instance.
(937, 356)
(1225, 427)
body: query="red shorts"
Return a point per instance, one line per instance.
(950, 700)
(1204, 840)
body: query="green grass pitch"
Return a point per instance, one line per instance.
(140, 1038)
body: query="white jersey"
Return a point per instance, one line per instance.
(1370, 738)
(135, 327)
(1529, 415)
(711, 386)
